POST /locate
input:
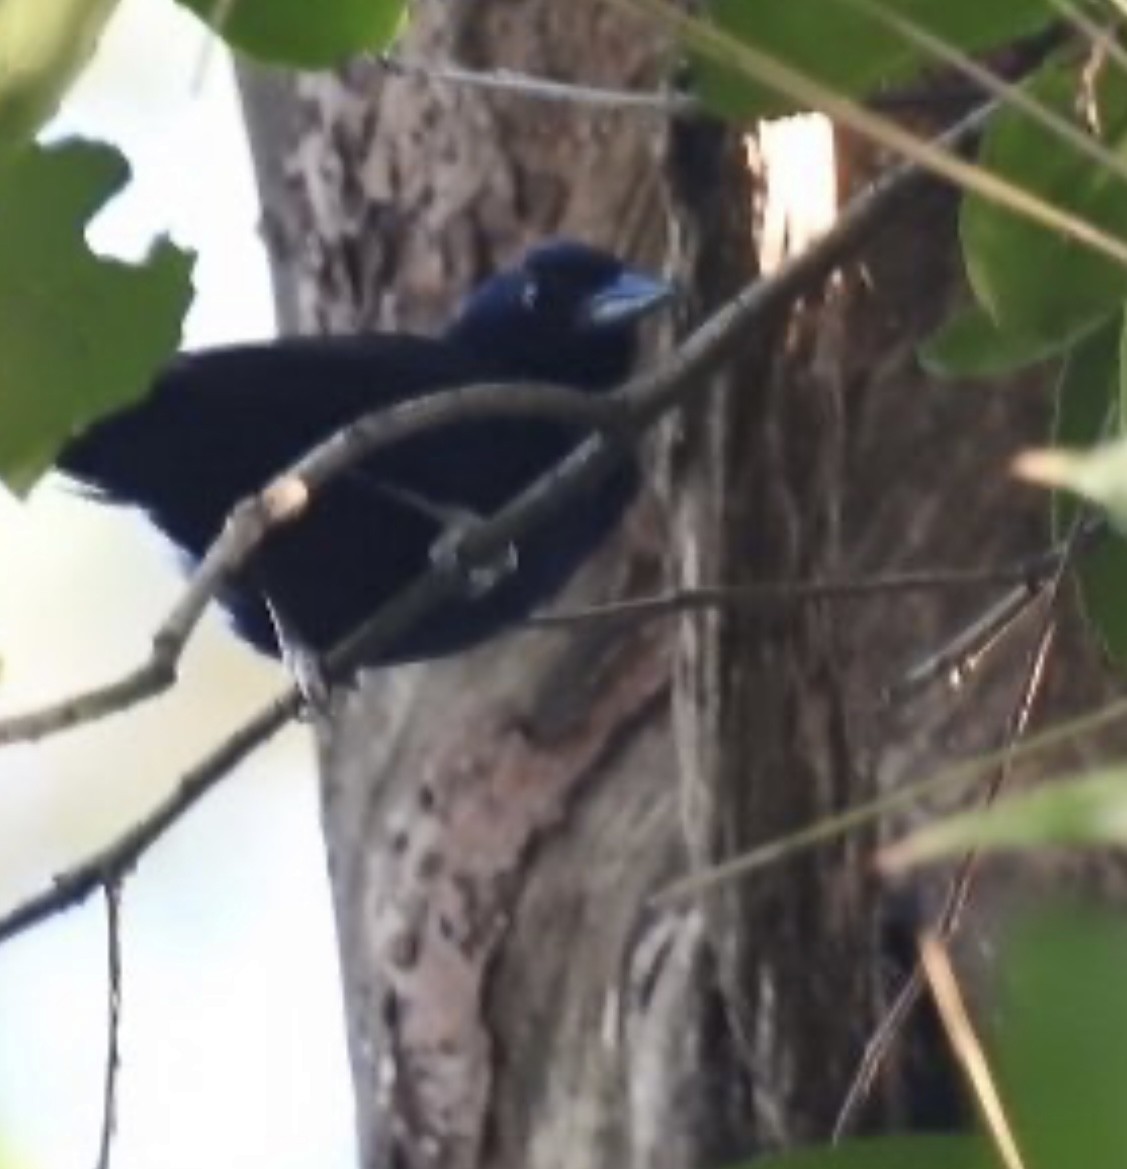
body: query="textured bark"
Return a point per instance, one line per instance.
(401, 192)
(761, 721)
(495, 824)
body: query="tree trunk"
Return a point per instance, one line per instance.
(496, 824)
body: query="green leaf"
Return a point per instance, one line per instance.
(1098, 475)
(81, 335)
(43, 45)
(970, 344)
(300, 32)
(845, 47)
(1062, 1059)
(1115, 417)
(1084, 397)
(1086, 409)
(1087, 811)
(897, 1152)
(1031, 280)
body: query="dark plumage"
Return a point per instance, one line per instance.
(219, 423)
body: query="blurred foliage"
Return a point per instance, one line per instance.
(1089, 811)
(1062, 1037)
(970, 344)
(1034, 283)
(1038, 293)
(282, 33)
(1088, 411)
(1061, 1034)
(43, 46)
(847, 45)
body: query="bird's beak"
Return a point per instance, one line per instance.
(632, 296)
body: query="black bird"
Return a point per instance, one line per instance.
(219, 423)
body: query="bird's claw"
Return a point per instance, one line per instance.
(446, 551)
(304, 668)
(482, 578)
(312, 685)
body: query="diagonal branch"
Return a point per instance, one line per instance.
(113, 863)
(283, 501)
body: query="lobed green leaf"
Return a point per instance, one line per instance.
(81, 334)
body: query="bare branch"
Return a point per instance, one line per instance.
(113, 862)
(1030, 574)
(148, 680)
(112, 891)
(955, 661)
(541, 88)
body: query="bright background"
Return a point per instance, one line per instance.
(233, 1047)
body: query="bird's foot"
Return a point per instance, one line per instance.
(446, 553)
(303, 667)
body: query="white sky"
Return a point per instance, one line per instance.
(233, 1047)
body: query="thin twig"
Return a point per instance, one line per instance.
(114, 862)
(112, 891)
(1102, 40)
(959, 887)
(541, 88)
(147, 681)
(947, 781)
(958, 658)
(1030, 573)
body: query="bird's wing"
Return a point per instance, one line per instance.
(234, 416)
(220, 424)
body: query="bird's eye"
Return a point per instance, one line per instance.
(529, 293)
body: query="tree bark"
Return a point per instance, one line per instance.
(495, 825)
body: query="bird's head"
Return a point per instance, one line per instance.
(567, 313)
